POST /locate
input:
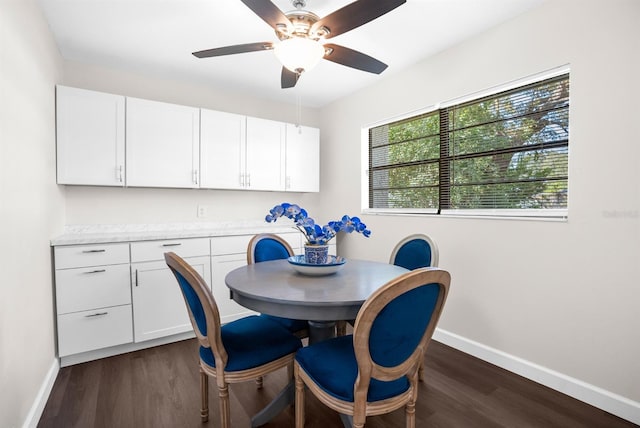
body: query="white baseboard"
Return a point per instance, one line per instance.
(591, 394)
(43, 395)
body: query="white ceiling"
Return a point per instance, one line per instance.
(157, 37)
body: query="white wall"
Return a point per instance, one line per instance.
(31, 206)
(563, 296)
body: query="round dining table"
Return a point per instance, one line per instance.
(276, 288)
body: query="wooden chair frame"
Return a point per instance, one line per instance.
(422, 236)
(213, 340)
(251, 248)
(434, 263)
(359, 409)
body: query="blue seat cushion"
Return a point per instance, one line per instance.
(288, 323)
(251, 342)
(332, 366)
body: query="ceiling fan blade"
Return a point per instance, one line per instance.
(269, 13)
(235, 49)
(353, 59)
(354, 15)
(288, 79)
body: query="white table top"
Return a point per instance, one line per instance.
(275, 288)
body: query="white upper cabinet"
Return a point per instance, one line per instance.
(240, 152)
(222, 150)
(90, 137)
(265, 154)
(162, 144)
(169, 145)
(302, 166)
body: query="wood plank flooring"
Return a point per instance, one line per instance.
(159, 387)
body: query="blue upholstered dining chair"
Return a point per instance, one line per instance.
(415, 251)
(375, 370)
(264, 247)
(241, 350)
(412, 252)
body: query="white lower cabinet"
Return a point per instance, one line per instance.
(227, 254)
(121, 297)
(158, 306)
(93, 297)
(221, 265)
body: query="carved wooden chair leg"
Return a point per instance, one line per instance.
(299, 403)
(225, 409)
(410, 413)
(421, 372)
(204, 393)
(259, 382)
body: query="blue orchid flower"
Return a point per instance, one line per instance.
(314, 233)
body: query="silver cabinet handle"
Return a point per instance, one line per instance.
(94, 251)
(97, 271)
(97, 314)
(120, 173)
(172, 245)
(195, 176)
(136, 279)
(248, 180)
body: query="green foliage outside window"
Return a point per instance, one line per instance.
(507, 151)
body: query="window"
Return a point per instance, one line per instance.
(501, 154)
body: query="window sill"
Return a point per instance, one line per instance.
(547, 216)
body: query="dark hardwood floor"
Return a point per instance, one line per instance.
(159, 387)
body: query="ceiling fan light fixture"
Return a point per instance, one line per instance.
(299, 54)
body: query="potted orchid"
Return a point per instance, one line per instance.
(316, 236)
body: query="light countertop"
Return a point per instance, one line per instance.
(104, 233)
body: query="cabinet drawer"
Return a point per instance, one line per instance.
(230, 244)
(238, 244)
(91, 255)
(84, 289)
(154, 250)
(89, 330)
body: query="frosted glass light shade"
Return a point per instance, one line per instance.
(299, 54)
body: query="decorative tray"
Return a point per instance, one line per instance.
(334, 263)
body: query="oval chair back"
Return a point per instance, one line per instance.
(242, 350)
(415, 251)
(201, 305)
(267, 246)
(377, 371)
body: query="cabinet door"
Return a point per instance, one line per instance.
(222, 150)
(220, 267)
(162, 144)
(158, 306)
(90, 137)
(265, 154)
(302, 159)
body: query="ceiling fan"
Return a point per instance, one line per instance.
(302, 36)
